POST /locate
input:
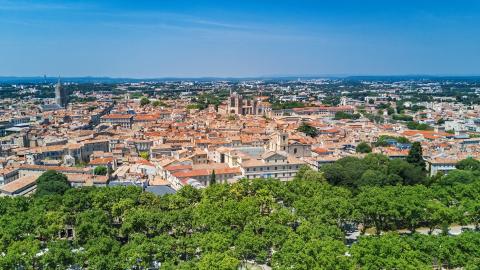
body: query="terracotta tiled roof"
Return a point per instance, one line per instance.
(19, 183)
(101, 161)
(117, 116)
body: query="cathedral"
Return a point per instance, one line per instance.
(238, 105)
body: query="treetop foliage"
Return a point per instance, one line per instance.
(52, 182)
(344, 115)
(300, 224)
(372, 170)
(363, 147)
(307, 129)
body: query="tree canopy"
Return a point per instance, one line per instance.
(469, 164)
(363, 147)
(100, 170)
(344, 115)
(144, 101)
(308, 129)
(415, 155)
(52, 182)
(372, 170)
(299, 224)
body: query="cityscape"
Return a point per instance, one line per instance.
(236, 170)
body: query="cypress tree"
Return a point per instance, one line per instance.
(415, 155)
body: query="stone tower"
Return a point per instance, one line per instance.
(60, 95)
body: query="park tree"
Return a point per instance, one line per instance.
(456, 177)
(373, 178)
(21, 255)
(91, 224)
(390, 251)
(102, 253)
(298, 224)
(301, 171)
(220, 261)
(316, 254)
(437, 215)
(52, 183)
(58, 256)
(469, 163)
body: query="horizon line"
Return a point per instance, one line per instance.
(235, 77)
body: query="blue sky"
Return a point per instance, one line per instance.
(239, 38)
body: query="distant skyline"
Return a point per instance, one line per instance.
(157, 39)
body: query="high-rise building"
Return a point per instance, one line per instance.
(60, 95)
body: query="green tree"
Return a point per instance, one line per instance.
(102, 253)
(59, 256)
(373, 178)
(298, 224)
(301, 171)
(389, 251)
(213, 178)
(344, 115)
(415, 155)
(457, 177)
(469, 163)
(418, 126)
(92, 224)
(363, 147)
(308, 130)
(51, 183)
(216, 260)
(145, 155)
(315, 254)
(375, 207)
(159, 103)
(144, 101)
(21, 255)
(100, 170)
(438, 215)
(138, 253)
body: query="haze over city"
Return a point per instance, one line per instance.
(145, 39)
